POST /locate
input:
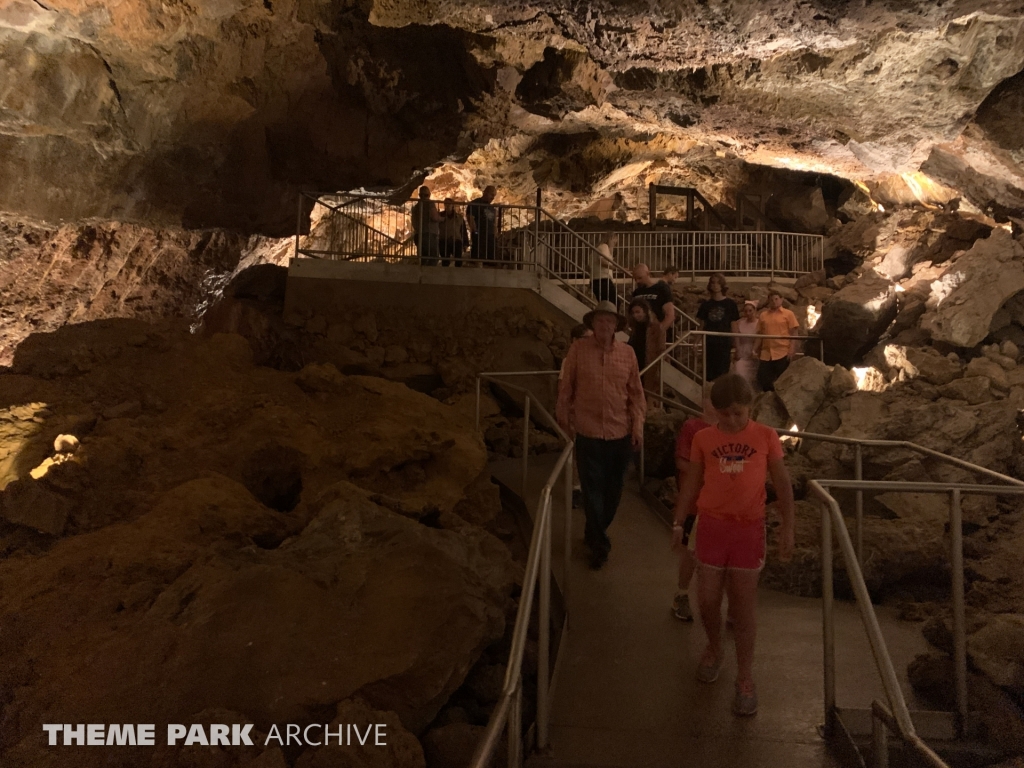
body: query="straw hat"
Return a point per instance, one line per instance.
(604, 307)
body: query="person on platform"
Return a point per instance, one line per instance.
(453, 234)
(774, 354)
(724, 485)
(426, 226)
(482, 218)
(717, 313)
(601, 405)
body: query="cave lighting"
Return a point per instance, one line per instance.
(928, 192)
(813, 315)
(869, 379)
(864, 188)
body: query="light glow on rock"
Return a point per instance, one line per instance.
(813, 315)
(870, 379)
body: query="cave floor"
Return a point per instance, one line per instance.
(626, 694)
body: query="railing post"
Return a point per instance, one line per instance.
(959, 619)
(526, 443)
(703, 359)
(544, 620)
(536, 230)
(828, 620)
(298, 223)
(568, 528)
(477, 403)
(643, 463)
(515, 727)
(858, 474)
(879, 743)
(661, 378)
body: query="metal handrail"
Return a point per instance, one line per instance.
(901, 722)
(537, 577)
(899, 719)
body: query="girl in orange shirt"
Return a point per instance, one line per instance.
(725, 485)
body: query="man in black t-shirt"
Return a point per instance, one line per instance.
(657, 294)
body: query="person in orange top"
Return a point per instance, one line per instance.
(725, 484)
(774, 354)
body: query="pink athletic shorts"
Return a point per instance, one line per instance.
(730, 543)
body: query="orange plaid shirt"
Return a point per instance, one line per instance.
(599, 393)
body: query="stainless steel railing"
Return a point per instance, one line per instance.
(686, 341)
(537, 578)
(362, 227)
(897, 716)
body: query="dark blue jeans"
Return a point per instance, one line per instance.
(602, 465)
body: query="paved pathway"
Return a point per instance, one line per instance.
(626, 695)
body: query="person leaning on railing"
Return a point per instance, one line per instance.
(775, 354)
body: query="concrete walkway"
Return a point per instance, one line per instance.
(626, 695)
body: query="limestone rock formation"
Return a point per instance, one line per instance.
(802, 389)
(218, 115)
(856, 316)
(966, 297)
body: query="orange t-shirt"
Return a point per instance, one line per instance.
(735, 469)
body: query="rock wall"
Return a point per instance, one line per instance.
(283, 546)
(72, 273)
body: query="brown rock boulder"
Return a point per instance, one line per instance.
(855, 317)
(802, 389)
(362, 600)
(965, 299)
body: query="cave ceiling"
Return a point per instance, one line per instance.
(215, 113)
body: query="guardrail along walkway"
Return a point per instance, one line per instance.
(626, 694)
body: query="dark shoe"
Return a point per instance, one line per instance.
(577, 498)
(598, 557)
(681, 607)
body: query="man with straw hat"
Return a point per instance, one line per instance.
(601, 404)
